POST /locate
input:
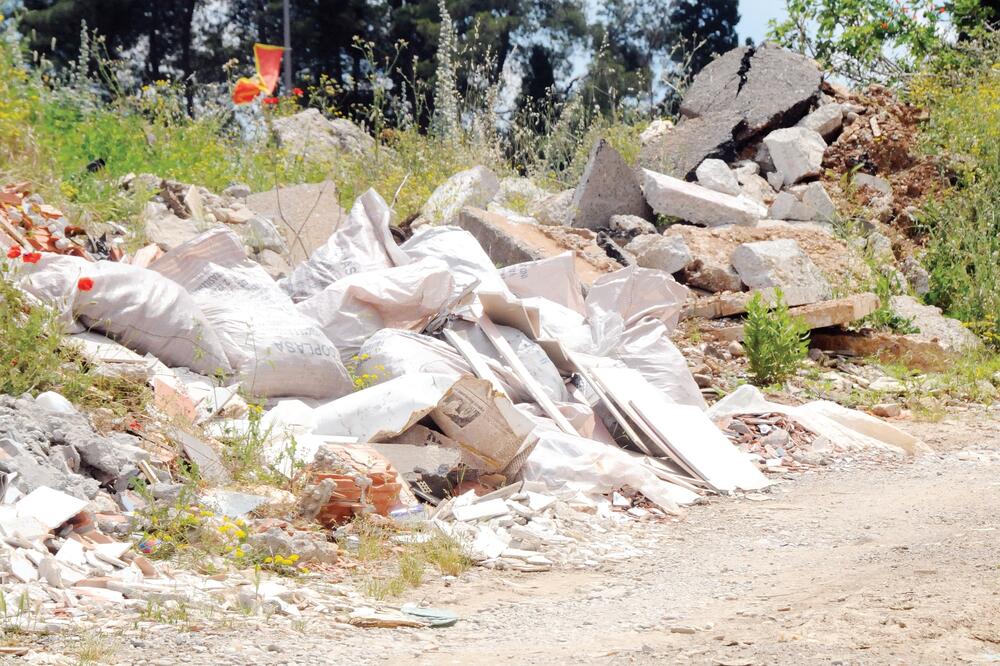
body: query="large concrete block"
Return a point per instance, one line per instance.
(608, 187)
(700, 205)
(781, 263)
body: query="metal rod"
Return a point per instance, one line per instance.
(288, 49)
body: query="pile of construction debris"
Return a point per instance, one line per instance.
(521, 404)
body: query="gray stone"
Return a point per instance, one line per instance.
(237, 191)
(165, 229)
(308, 134)
(787, 207)
(765, 87)
(946, 332)
(776, 180)
(655, 131)
(473, 187)
(700, 205)
(880, 185)
(879, 246)
(917, 276)
(716, 175)
(519, 194)
(275, 264)
(555, 209)
(305, 214)
(665, 253)
(797, 152)
(755, 187)
(815, 196)
(825, 120)
(608, 187)
(631, 225)
(781, 263)
(259, 234)
(169, 493)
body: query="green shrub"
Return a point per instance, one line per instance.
(775, 342)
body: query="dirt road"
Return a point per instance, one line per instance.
(864, 562)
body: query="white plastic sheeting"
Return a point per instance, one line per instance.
(143, 310)
(561, 460)
(361, 243)
(276, 350)
(646, 347)
(459, 249)
(355, 307)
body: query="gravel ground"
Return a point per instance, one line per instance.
(865, 561)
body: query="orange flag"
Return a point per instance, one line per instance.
(267, 60)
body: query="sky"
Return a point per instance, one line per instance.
(754, 15)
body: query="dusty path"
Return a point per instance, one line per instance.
(861, 563)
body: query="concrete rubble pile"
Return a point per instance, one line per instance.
(517, 409)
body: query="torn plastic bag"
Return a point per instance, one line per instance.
(531, 354)
(407, 297)
(139, 308)
(361, 243)
(461, 251)
(847, 429)
(553, 278)
(560, 460)
(392, 353)
(275, 350)
(466, 409)
(636, 293)
(646, 347)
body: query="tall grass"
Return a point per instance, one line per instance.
(963, 227)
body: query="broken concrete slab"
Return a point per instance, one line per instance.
(677, 198)
(509, 243)
(679, 152)
(665, 253)
(781, 263)
(764, 86)
(947, 333)
(473, 187)
(305, 214)
(608, 187)
(797, 152)
(825, 314)
(716, 175)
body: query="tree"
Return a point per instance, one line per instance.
(699, 30)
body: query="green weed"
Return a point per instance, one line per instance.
(775, 342)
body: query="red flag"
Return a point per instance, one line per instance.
(267, 60)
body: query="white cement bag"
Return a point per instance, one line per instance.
(361, 243)
(143, 310)
(554, 278)
(407, 297)
(276, 350)
(646, 347)
(635, 293)
(461, 251)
